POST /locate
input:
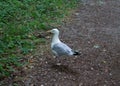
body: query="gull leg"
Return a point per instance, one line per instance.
(54, 57)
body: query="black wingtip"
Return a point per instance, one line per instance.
(76, 53)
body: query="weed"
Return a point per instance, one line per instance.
(19, 18)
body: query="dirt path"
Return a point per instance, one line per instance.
(95, 30)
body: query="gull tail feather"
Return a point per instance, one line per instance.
(76, 53)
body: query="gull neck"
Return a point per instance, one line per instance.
(55, 38)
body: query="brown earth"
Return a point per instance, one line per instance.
(93, 29)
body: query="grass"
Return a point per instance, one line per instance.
(18, 19)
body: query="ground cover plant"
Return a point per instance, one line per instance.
(18, 19)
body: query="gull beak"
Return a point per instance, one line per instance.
(48, 34)
(49, 31)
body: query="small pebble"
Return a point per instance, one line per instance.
(92, 68)
(110, 74)
(58, 64)
(96, 46)
(76, 14)
(80, 84)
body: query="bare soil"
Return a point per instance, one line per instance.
(93, 29)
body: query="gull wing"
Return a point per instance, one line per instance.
(62, 49)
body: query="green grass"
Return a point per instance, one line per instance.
(18, 19)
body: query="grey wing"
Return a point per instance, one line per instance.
(62, 49)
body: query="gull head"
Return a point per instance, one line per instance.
(54, 31)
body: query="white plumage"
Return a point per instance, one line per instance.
(59, 48)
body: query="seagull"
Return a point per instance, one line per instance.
(59, 48)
